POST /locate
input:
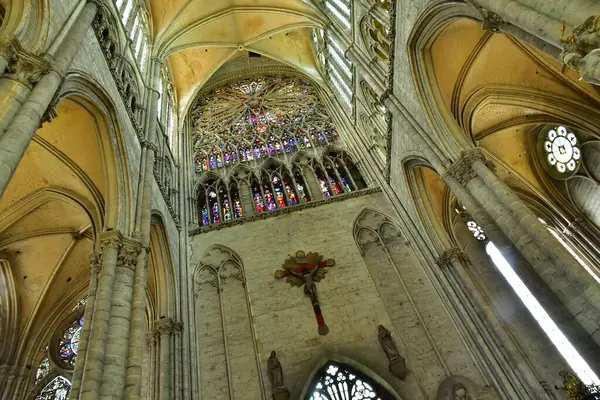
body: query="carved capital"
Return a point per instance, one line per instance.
(452, 254)
(110, 242)
(95, 260)
(23, 66)
(492, 22)
(167, 326)
(462, 169)
(149, 145)
(128, 255)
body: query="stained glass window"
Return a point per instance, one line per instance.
(43, 369)
(257, 118)
(68, 344)
(341, 382)
(57, 389)
(562, 150)
(476, 230)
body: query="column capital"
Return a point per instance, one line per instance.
(452, 254)
(95, 260)
(462, 169)
(167, 326)
(23, 66)
(149, 145)
(492, 22)
(128, 254)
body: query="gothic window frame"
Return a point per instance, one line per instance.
(255, 135)
(347, 366)
(167, 112)
(134, 18)
(57, 367)
(376, 29)
(338, 70)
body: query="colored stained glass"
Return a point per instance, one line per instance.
(302, 194)
(347, 187)
(259, 205)
(270, 200)
(237, 209)
(227, 216)
(68, 344)
(324, 188)
(279, 195)
(291, 195)
(255, 110)
(214, 208)
(204, 212)
(336, 186)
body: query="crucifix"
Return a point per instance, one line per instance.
(306, 269)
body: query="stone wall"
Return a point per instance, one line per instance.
(355, 298)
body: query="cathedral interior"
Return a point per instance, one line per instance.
(299, 199)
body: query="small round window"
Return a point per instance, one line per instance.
(562, 150)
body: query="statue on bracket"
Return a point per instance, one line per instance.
(306, 269)
(397, 364)
(280, 392)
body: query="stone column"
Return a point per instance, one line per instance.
(561, 294)
(23, 72)
(100, 321)
(311, 181)
(246, 199)
(117, 340)
(96, 266)
(507, 367)
(28, 119)
(166, 329)
(138, 316)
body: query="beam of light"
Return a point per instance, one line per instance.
(560, 341)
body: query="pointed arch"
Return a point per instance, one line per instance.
(161, 272)
(9, 312)
(383, 389)
(374, 227)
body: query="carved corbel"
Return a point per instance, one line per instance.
(23, 66)
(449, 255)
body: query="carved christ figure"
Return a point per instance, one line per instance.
(306, 269)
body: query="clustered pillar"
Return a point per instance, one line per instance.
(565, 289)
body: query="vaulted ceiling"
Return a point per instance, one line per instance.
(199, 36)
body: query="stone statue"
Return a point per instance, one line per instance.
(459, 392)
(280, 392)
(581, 50)
(397, 364)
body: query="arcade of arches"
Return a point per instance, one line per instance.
(299, 199)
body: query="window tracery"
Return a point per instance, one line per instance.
(275, 186)
(562, 150)
(339, 381)
(258, 118)
(54, 370)
(57, 389)
(376, 32)
(374, 123)
(340, 10)
(135, 22)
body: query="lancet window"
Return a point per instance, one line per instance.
(53, 374)
(340, 12)
(135, 22)
(166, 107)
(336, 66)
(275, 186)
(258, 118)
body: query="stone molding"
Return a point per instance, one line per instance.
(452, 254)
(492, 22)
(281, 211)
(127, 248)
(23, 66)
(462, 169)
(95, 260)
(149, 145)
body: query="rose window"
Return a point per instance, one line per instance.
(562, 151)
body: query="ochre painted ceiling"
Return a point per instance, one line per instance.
(197, 37)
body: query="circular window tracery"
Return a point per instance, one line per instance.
(257, 118)
(476, 230)
(562, 150)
